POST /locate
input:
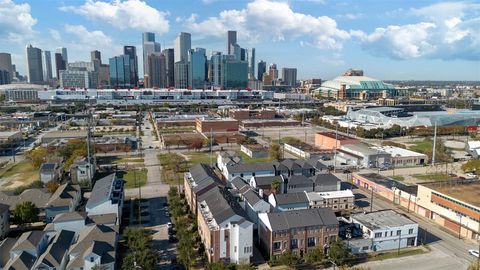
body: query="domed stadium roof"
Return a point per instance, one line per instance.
(359, 83)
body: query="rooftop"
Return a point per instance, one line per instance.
(66, 133)
(291, 198)
(400, 152)
(382, 219)
(315, 196)
(280, 221)
(467, 191)
(332, 135)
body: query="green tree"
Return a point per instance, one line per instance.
(146, 259)
(274, 152)
(288, 259)
(25, 212)
(338, 252)
(38, 156)
(314, 255)
(275, 186)
(471, 166)
(137, 238)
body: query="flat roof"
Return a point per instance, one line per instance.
(383, 109)
(7, 134)
(332, 135)
(467, 191)
(66, 133)
(382, 219)
(400, 152)
(389, 183)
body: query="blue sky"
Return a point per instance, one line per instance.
(432, 40)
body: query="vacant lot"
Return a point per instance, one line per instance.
(18, 174)
(135, 177)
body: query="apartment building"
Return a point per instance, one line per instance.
(338, 201)
(199, 179)
(297, 231)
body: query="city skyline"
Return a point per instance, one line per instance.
(398, 40)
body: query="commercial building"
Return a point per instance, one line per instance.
(330, 140)
(149, 47)
(234, 73)
(47, 61)
(403, 157)
(454, 205)
(231, 40)
(181, 75)
(244, 114)
(363, 155)
(34, 64)
(183, 43)
(386, 230)
(6, 65)
(170, 67)
(297, 231)
(60, 63)
(207, 125)
(224, 229)
(120, 71)
(356, 87)
(157, 66)
(78, 78)
(338, 200)
(289, 76)
(251, 64)
(197, 62)
(131, 51)
(261, 69)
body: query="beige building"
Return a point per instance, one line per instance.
(338, 201)
(455, 205)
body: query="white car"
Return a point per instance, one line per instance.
(474, 252)
(169, 225)
(470, 176)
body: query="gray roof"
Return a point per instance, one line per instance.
(267, 180)
(291, 198)
(5, 247)
(325, 179)
(23, 262)
(55, 252)
(315, 162)
(101, 191)
(221, 208)
(70, 216)
(3, 208)
(255, 167)
(104, 219)
(382, 219)
(200, 172)
(37, 196)
(280, 221)
(300, 180)
(251, 197)
(29, 240)
(239, 184)
(290, 164)
(64, 195)
(48, 167)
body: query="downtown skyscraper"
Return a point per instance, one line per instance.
(131, 51)
(183, 43)
(197, 60)
(231, 40)
(149, 46)
(47, 61)
(34, 64)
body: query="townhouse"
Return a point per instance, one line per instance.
(107, 197)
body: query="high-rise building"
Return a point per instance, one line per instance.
(273, 72)
(251, 63)
(78, 77)
(157, 66)
(6, 64)
(170, 67)
(34, 64)
(236, 51)
(231, 40)
(183, 43)
(181, 75)
(120, 71)
(148, 37)
(196, 64)
(289, 76)
(47, 60)
(63, 52)
(149, 47)
(5, 77)
(96, 56)
(261, 69)
(131, 51)
(234, 73)
(60, 64)
(215, 68)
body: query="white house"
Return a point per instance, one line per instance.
(82, 171)
(50, 172)
(248, 171)
(107, 197)
(383, 230)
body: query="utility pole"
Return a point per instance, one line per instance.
(434, 144)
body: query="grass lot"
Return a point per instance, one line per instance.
(398, 177)
(421, 146)
(22, 171)
(248, 160)
(433, 176)
(119, 160)
(168, 176)
(201, 157)
(129, 178)
(395, 254)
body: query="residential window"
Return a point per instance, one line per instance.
(311, 241)
(294, 244)
(410, 231)
(399, 232)
(277, 245)
(377, 235)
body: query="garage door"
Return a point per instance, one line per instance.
(451, 225)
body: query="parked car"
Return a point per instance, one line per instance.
(470, 176)
(167, 214)
(474, 252)
(347, 171)
(169, 225)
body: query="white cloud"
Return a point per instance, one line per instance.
(448, 30)
(16, 22)
(89, 39)
(55, 35)
(270, 20)
(129, 14)
(351, 16)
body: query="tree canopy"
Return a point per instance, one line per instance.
(25, 212)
